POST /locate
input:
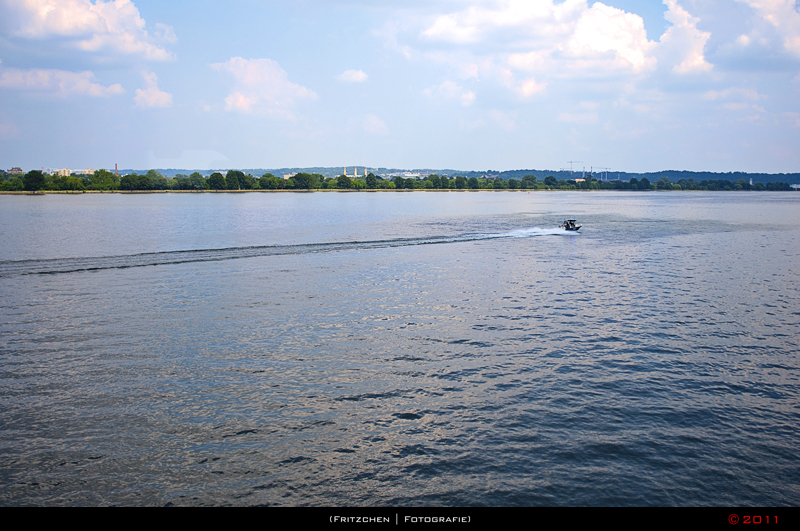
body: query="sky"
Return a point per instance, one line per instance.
(629, 85)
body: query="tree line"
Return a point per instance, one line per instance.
(234, 180)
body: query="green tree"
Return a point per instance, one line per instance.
(15, 184)
(304, 181)
(158, 182)
(34, 180)
(144, 182)
(153, 180)
(529, 181)
(127, 182)
(180, 182)
(103, 180)
(234, 180)
(372, 181)
(248, 182)
(268, 182)
(216, 181)
(461, 183)
(68, 182)
(343, 182)
(550, 181)
(135, 181)
(663, 184)
(197, 182)
(273, 183)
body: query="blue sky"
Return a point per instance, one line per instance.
(629, 85)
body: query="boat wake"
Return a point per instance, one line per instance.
(12, 268)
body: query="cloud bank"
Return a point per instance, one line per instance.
(110, 27)
(261, 86)
(353, 76)
(151, 97)
(56, 82)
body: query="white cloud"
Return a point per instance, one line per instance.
(583, 118)
(538, 20)
(353, 76)
(734, 93)
(683, 45)
(502, 119)
(388, 33)
(784, 18)
(152, 97)
(525, 88)
(451, 91)
(534, 60)
(261, 87)
(454, 28)
(523, 44)
(58, 82)
(599, 36)
(114, 26)
(529, 87)
(165, 33)
(604, 31)
(373, 124)
(793, 118)
(735, 106)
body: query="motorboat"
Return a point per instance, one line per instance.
(569, 224)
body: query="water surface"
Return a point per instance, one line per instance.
(399, 349)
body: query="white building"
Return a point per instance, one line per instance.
(355, 173)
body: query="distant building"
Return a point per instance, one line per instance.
(16, 170)
(287, 176)
(64, 172)
(355, 173)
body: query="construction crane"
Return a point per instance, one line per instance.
(570, 164)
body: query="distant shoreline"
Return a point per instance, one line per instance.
(333, 190)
